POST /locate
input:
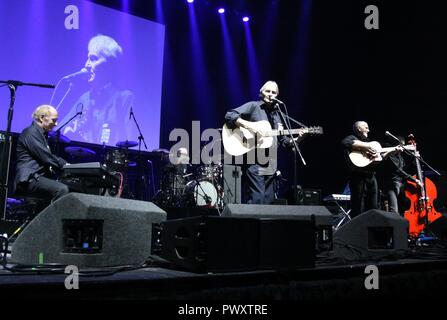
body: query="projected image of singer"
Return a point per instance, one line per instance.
(104, 107)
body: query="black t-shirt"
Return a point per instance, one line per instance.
(347, 143)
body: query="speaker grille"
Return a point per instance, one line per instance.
(123, 229)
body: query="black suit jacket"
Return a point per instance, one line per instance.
(34, 156)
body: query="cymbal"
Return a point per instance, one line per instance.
(80, 152)
(163, 151)
(53, 135)
(126, 144)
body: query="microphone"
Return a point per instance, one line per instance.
(277, 100)
(130, 113)
(82, 108)
(82, 72)
(392, 136)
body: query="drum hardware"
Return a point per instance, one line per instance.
(116, 160)
(79, 152)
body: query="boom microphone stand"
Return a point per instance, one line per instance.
(296, 150)
(6, 152)
(413, 155)
(140, 139)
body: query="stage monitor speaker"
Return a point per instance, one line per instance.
(322, 216)
(226, 244)
(232, 184)
(373, 233)
(89, 231)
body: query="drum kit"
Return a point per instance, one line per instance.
(181, 184)
(184, 186)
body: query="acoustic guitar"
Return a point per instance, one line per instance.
(362, 159)
(241, 140)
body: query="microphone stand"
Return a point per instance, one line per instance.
(6, 151)
(415, 156)
(65, 95)
(285, 119)
(140, 139)
(205, 196)
(58, 131)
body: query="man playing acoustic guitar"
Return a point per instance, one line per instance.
(260, 176)
(362, 180)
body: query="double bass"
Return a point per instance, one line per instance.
(422, 211)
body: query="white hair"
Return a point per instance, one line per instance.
(105, 46)
(268, 83)
(43, 110)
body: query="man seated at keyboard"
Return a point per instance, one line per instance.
(35, 161)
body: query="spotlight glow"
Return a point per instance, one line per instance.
(245, 19)
(190, 1)
(221, 10)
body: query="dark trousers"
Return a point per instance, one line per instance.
(260, 188)
(364, 193)
(394, 193)
(43, 187)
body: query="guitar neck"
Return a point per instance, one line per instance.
(383, 150)
(275, 133)
(407, 147)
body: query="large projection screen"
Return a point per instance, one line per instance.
(43, 41)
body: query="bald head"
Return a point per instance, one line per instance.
(361, 128)
(46, 117)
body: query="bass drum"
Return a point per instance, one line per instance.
(201, 193)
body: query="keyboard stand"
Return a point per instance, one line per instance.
(346, 217)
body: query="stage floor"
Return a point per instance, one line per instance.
(329, 280)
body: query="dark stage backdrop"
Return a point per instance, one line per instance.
(331, 71)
